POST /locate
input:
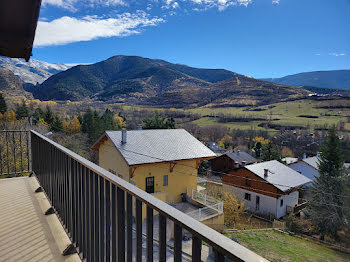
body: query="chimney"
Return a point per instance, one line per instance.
(318, 154)
(238, 152)
(123, 135)
(139, 127)
(304, 156)
(266, 172)
(244, 163)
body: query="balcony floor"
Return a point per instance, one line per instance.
(26, 234)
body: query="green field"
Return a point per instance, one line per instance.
(288, 114)
(276, 246)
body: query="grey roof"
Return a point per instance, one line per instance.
(215, 147)
(281, 176)
(241, 156)
(312, 161)
(158, 145)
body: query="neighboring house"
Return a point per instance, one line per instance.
(218, 150)
(266, 188)
(290, 160)
(161, 162)
(230, 161)
(307, 166)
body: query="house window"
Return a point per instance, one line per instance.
(247, 196)
(247, 182)
(281, 202)
(165, 180)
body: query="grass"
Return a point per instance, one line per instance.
(276, 246)
(287, 113)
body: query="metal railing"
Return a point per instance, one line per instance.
(202, 198)
(14, 152)
(204, 213)
(95, 207)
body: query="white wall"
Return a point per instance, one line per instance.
(288, 200)
(267, 204)
(305, 170)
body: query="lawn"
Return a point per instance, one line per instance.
(276, 246)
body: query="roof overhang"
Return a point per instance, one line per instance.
(18, 22)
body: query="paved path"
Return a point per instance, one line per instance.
(25, 232)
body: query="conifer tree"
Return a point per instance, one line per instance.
(48, 117)
(270, 152)
(327, 204)
(3, 105)
(22, 110)
(57, 124)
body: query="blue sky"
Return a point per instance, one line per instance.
(260, 38)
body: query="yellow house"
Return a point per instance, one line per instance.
(163, 162)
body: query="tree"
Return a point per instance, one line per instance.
(22, 110)
(270, 152)
(233, 208)
(38, 114)
(57, 124)
(119, 120)
(10, 116)
(226, 140)
(287, 152)
(159, 122)
(3, 105)
(326, 205)
(75, 126)
(48, 116)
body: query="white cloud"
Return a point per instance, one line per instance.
(276, 2)
(72, 4)
(67, 29)
(337, 54)
(220, 4)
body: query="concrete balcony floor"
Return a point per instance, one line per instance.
(26, 234)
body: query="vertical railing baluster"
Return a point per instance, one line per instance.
(138, 230)
(102, 220)
(196, 249)
(97, 218)
(108, 221)
(14, 152)
(149, 234)
(91, 215)
(219, 257)
(162, 237)
(177, 243)
(84, 215)
(121, 224)
(114, 222)
(129, 241)
(21, 150)
(8, 158)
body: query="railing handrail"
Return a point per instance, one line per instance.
(218, 241)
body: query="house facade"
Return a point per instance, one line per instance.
(266, 188)
(230, 161)
(163, 163)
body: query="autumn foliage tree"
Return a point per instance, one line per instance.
(233, 208)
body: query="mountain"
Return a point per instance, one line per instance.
(141, 80)
(337, 79)
(11, 86)
(34, 71)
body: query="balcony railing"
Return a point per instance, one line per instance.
(95, 207)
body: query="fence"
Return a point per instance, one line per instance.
(206, 212)
(14, 152)
(95, 207)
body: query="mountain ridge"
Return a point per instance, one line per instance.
(139, 80)
(336, 79)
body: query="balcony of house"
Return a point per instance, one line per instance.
(66, 208)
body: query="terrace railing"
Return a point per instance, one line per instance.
(14, 153)
(95, 207)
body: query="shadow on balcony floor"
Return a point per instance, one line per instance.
(26, 234)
